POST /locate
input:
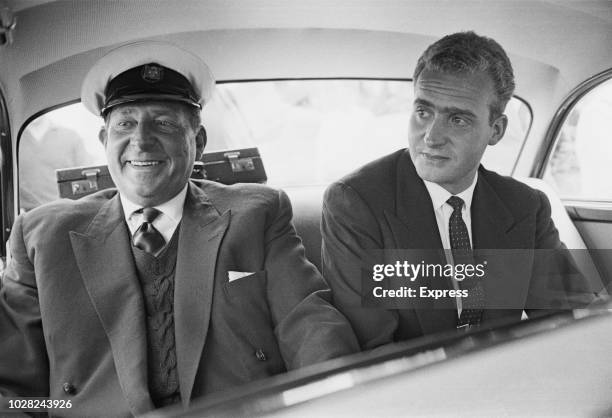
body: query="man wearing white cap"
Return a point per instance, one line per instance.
(163, 290)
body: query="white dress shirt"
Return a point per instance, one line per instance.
(443, 212)
(166, 222)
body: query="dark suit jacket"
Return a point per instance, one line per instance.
(71, 308)
(385, 205)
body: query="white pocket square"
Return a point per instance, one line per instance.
(235, 275)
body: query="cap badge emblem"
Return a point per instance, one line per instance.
(152, 73)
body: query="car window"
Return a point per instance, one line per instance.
(580, 162)
(309, 132)
(63, 138)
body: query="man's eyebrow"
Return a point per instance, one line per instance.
(156, 112)
(125, 110)
(449, 109)
(423, 102)
(164, 110)
(164, 113)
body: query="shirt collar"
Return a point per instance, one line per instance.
(173, 208)
(439, 195)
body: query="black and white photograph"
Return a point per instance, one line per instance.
(325, 208)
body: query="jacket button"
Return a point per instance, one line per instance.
(261, 356)
(69, 388)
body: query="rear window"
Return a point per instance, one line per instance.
(309, 132)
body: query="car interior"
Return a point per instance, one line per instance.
(310, 91)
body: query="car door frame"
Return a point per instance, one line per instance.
(6, 175)
(590, 216)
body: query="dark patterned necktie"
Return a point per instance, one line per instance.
(473, 305)
(146, 237)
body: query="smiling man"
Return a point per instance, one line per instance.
(436, 196)
(162, 290)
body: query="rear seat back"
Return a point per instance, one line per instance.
(568, 233)
(307, 203)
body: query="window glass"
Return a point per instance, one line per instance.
(581, 163)
(63, 138)
(309, 132)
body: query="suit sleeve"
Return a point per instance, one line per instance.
(349, 229)
(24, 368)
(557, 284)
(307, 327)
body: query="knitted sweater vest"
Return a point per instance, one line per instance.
(156, 275)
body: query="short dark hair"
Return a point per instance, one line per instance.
(467, 52)
(194, 114)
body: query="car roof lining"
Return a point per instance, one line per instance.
(528, 34)
(220, 28)
(554, 45)
(347, 54)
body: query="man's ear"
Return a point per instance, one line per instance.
(499, 129)
(200, 141)
(103, 135)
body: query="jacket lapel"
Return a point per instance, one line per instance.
(414, 227)
(201, 232)
(499, 243)
(104, 258)
(413, 210)
(491, 219)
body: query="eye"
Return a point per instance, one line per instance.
(124, 123)
(459, 121)
(166, 123)
(421, 112)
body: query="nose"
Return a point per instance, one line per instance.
(142, 136)
(435, 133)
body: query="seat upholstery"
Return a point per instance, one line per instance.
(307, 203)
(569, 233)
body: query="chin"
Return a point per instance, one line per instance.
(140, 195)
(430, 174)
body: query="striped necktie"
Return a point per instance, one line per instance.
(146, 237)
